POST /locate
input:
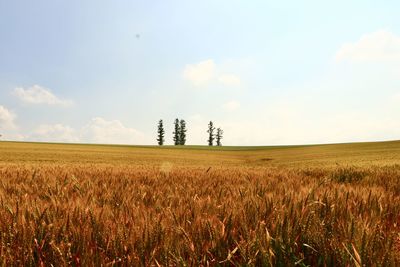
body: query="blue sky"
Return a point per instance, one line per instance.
(289, 72)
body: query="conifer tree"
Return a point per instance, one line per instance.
(210, 132)
(182, 133)
(218, 136)
(160, 133)
(176, 132)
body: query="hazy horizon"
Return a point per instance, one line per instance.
(268, 73)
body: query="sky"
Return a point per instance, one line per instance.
(266, 72)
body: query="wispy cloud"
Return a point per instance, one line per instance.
(97, 130)
(40, 95)
(229, 80)
(231, 105)
(55, 133)
(100, 130)
(207, 72)
(382, 45)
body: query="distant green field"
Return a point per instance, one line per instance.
(357, 154)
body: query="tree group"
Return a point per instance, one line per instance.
(179, 133)
(160, 133)
(211, 136)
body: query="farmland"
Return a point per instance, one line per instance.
(93, 205)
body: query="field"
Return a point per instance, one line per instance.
(98, 205)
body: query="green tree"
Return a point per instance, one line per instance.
(218, 136)
(182, 133)
(176, 132)
(160, 133)
(211, 135)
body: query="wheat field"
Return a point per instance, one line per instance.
(96, 205)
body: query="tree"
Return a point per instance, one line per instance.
(210, 132)
(218, 136)
(176, 132)
(160, 133)
(182, 132)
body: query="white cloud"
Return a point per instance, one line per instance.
(98, 130)
(6, 119)
(103, 131)
(39, 95)
(8, 127)
(207, 72)
(377, 46)
(231, 105)
(55, 133)
(229, 80)
(200, 73)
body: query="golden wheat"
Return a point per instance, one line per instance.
(68, 213)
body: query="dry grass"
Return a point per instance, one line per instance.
(131, 211)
